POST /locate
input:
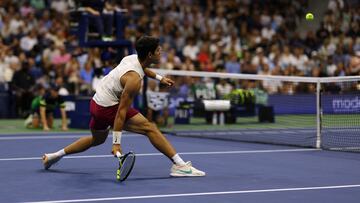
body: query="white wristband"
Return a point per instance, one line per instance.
(159, 77)
(117, 137)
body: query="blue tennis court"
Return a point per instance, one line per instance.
(236, 172)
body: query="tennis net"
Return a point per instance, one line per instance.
(299, 111)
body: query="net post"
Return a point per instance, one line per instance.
(318, 115)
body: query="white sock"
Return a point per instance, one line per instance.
(178, 160)
(60, 153)
(57, 154)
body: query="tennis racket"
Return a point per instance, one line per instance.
(126, 164)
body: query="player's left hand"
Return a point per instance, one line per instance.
(167, 81)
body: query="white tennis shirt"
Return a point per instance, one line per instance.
(109, 89)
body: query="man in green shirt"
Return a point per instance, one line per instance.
(33, 121)
(48, 104)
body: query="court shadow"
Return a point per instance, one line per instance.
(148, 178)
(63, 172)
(130, 179)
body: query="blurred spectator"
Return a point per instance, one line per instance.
(232, 65)
(62, 57)
(26, 9)
(260, 59)
(171, 61)
(354, 66)
(59, 82)
(330, 67)
(38, 4)
(28, 42)
(34, 70)
(86, 76)
(223, 88)
(190, 50)
(22, 83)
(301, 61)
(157, 107)
(188, 65)
(33, 121)
(286, 58)
(72, 72)
(246, 66)
(48, 105)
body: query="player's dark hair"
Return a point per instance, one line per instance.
(146, 44)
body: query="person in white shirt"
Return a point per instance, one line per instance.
(111, 106)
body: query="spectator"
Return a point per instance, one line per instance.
(48, 104)
(246, 66)
(354, 66)
(301, 61)
(286, 58)
(28, 42)
(22, 84)
(33, 121)
(259, 59)
(59, 82)
(223, 88)
(86, 76)
(157, 107)
(72, 72)
(191, 50)
(232, 65)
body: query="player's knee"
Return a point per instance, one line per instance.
(99, 137)
(98, 141)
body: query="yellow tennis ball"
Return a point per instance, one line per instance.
(309, 16)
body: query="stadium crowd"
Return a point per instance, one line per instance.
(234, 36)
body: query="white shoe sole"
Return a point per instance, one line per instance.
(185, 175)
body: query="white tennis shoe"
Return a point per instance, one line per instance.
(185, 170)
(50, 159)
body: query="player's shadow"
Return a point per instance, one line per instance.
(63, 172)
(131, 179)
(148, 178)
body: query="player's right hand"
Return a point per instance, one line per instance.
(167, 81)
(116, 148)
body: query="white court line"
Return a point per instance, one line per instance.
(160, 154)
(41, 137)
(201, 194)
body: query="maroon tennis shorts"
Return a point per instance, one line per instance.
(103, 117)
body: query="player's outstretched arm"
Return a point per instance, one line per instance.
(131, 82)
(162, 79)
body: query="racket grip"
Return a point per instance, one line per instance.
(118, 154)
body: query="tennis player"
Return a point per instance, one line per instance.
(111, 107)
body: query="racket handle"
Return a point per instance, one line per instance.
(118, 154)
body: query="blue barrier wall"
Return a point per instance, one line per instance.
(78, 107)
(349, 103)
(7, 105)
(293, 104)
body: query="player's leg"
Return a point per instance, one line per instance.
(139, 124)
(82, 144)
(99, 129)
